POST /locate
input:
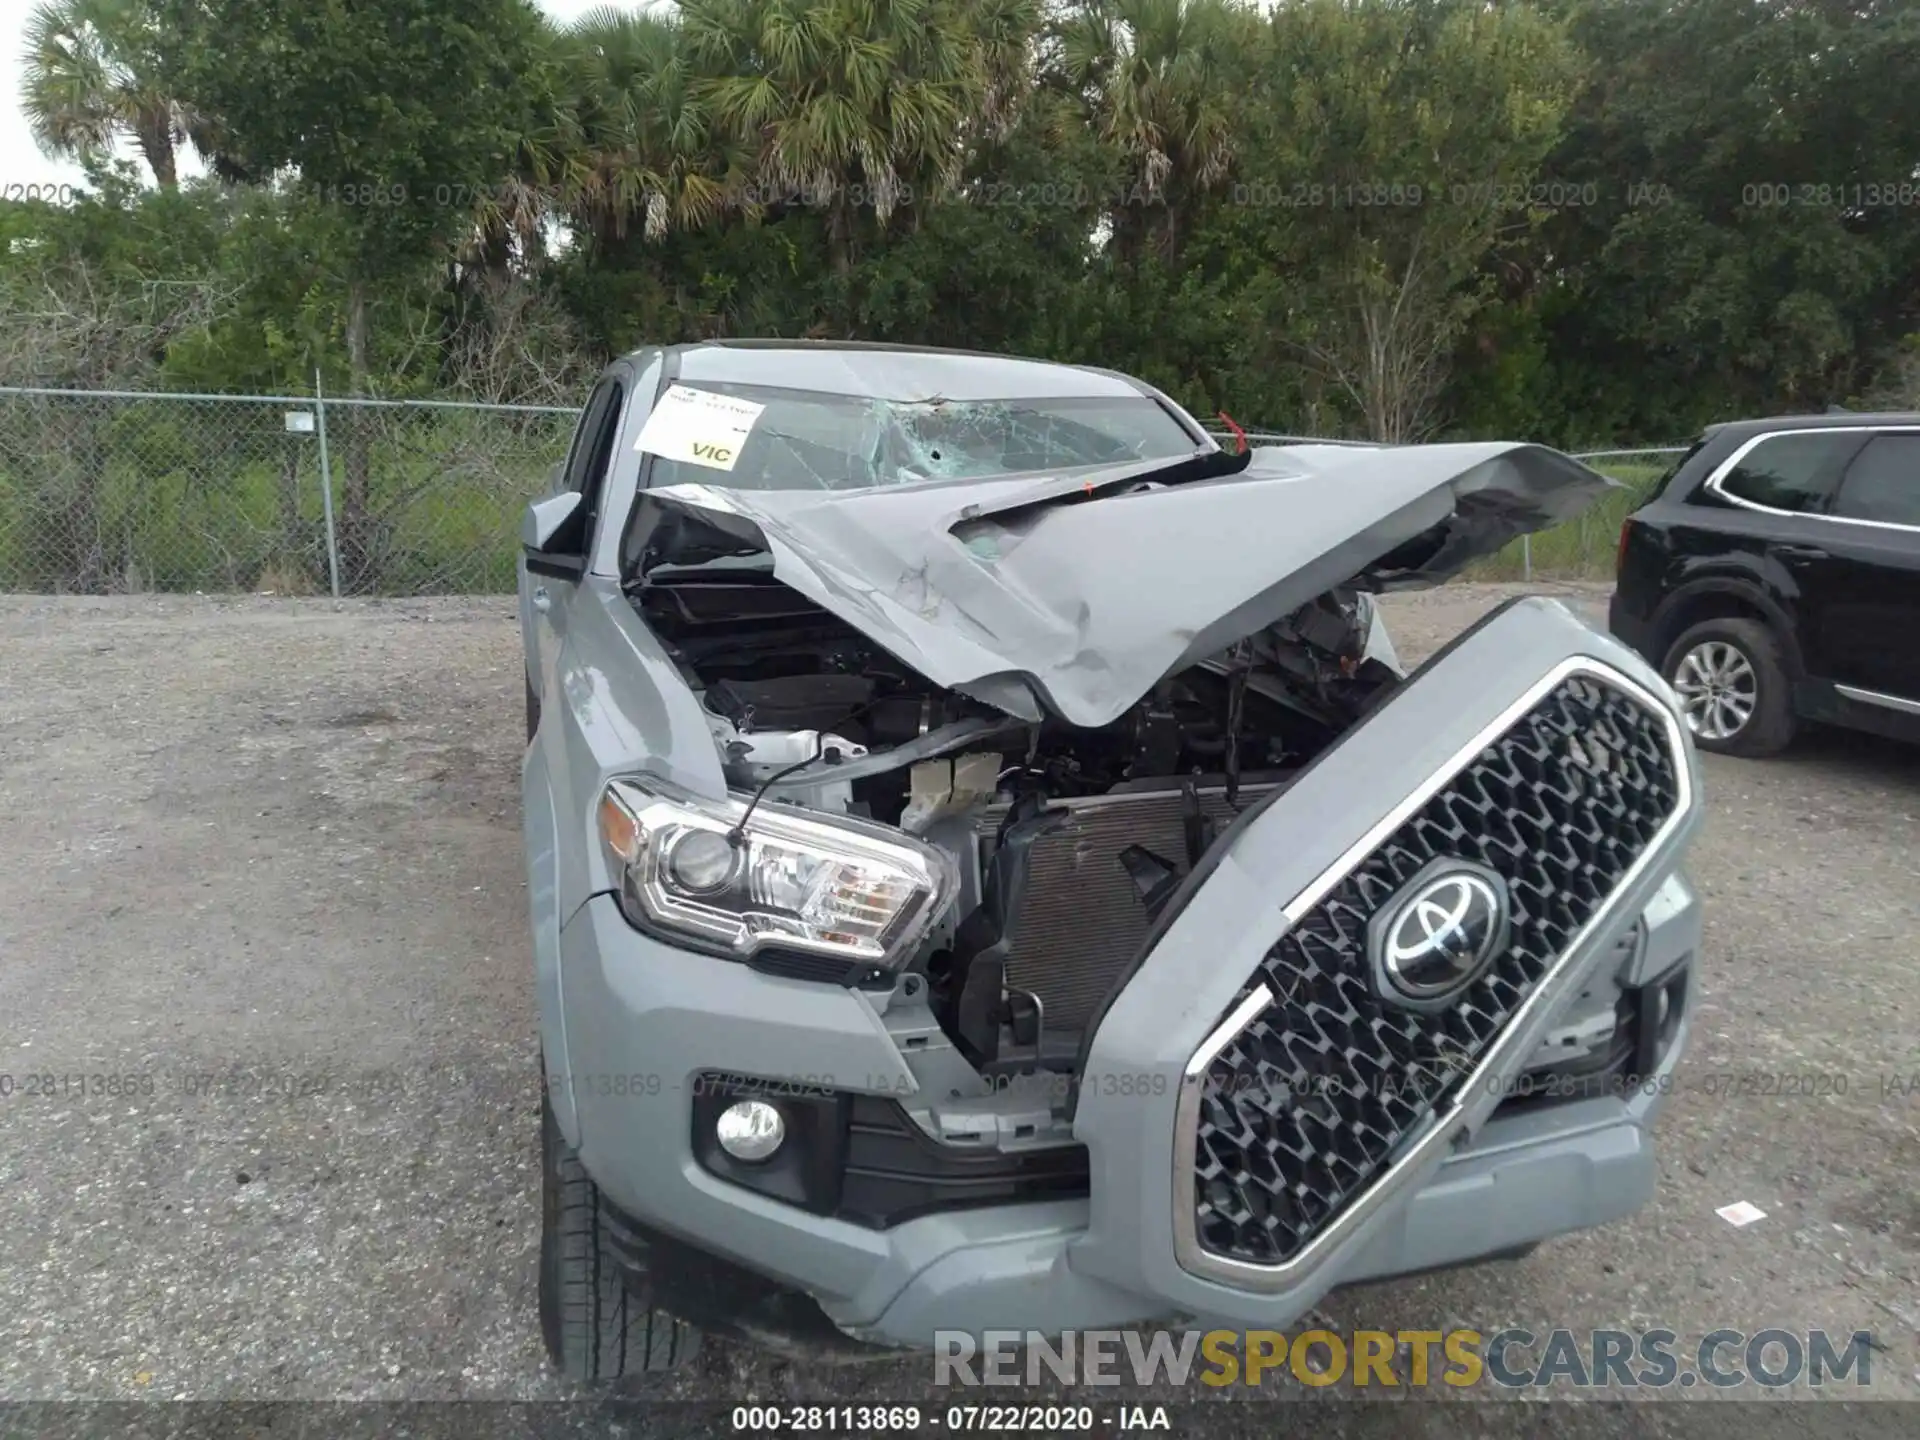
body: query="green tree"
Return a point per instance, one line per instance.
(861, 106)
(1158, 80)
(401, 116)
(1752, 249)
(1392, 145)
(92, 77)
(511, 215)
(647, 152)
(1008, 265)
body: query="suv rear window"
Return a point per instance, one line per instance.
(1793, 472)
(1667, 476)
(1883, 483)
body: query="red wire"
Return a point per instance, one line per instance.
(1239, 434)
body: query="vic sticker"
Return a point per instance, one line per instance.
(699, 427)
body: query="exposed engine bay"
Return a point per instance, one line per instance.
(1070, 841)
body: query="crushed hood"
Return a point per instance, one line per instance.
(1075, 594)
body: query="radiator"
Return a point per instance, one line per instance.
(1082, 920)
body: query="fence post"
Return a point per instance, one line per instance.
(1526, 557)
(326, 484)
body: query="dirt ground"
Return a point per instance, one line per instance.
(267, 1036)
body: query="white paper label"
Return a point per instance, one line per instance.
(699, 427)
(300, 422)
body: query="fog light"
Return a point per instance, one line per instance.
(750, 1130)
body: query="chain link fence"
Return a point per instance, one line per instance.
(1587, 547)
(117, 491)
(105, 491)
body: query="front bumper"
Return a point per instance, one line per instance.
(1525, 1180)
(644, 1020)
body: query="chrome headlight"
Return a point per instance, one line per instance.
(838, 887)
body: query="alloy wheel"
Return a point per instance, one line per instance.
(1718, 689)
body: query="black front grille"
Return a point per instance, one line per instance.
(1320, 1095)
(862, 1159)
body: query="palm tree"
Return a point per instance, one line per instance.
(1006, 34)
(92, 78)
(1154, 74)
(547, 164)
(857, 104)
(642, 146)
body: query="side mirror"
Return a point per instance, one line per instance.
(545, 527)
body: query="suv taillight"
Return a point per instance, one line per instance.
(1620, 555)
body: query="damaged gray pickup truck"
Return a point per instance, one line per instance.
(988, 869)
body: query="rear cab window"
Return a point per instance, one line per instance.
(1796, 473)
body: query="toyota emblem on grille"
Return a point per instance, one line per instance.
(1440, 932)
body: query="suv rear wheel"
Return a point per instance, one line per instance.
(595, 1316)
(1733, 687)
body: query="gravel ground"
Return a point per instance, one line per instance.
(266, 1032)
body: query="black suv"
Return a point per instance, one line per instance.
(1774, 577)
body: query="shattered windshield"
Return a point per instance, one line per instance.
(804, 439)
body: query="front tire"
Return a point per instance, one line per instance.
(594, 1315)
(1733, 687)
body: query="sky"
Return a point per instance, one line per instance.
(21, 162)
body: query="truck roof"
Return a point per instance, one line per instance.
(894, 372)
